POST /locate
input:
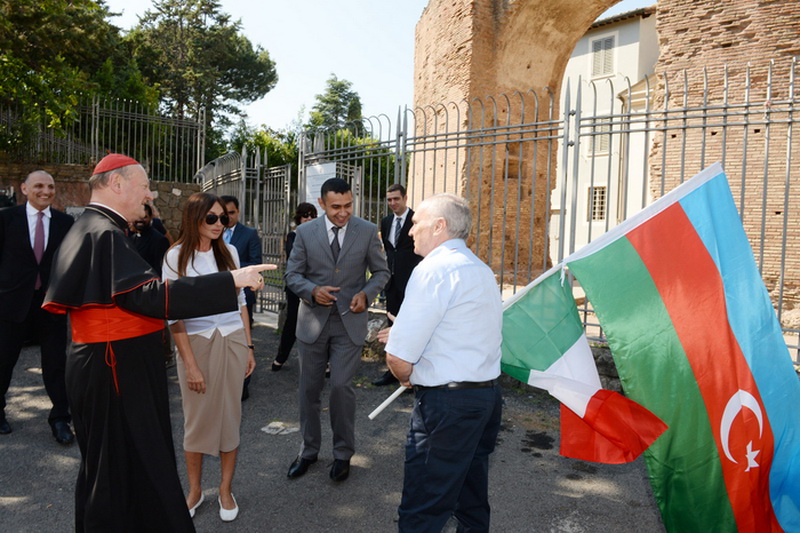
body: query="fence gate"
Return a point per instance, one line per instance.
(264, 195)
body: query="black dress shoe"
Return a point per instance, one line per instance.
(340, 469)
(300, 466)
(63, 433)
(386, 379)
(5, 428)
(276, 366)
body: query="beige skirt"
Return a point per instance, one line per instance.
(211, 420)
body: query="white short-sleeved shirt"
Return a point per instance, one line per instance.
(450, 323)
(204, 263)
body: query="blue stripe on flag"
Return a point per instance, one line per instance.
(712, 211)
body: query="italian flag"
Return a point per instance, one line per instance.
(696, 341)
(544, 345)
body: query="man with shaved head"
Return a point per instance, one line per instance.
(29, 236)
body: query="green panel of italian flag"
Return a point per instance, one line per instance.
(696, 341)
(544, 346)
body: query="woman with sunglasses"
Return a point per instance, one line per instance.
(216, 353)
(303, 213)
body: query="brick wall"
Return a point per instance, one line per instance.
(466, 51)
(696, 35)
(72, 189)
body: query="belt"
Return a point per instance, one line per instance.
(456, 385)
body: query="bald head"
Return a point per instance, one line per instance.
(39, 188)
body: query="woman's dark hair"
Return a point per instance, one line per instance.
(194, 214)
(304, 209)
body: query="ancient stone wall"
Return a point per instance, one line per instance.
(468, 53)
(697, 35)
(467, 50)
(72, 189)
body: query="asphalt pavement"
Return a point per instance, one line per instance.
(532, 488)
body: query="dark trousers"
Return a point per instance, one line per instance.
(250, 302)
(394, 298)
(50, 331)
(451, 435)
(288, 335)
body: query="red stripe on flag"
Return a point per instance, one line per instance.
(614, 429)
(692, 290)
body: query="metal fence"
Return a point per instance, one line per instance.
(544, 177)
(170, 148)
(264, 198)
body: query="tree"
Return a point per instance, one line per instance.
(337, 106)
(51, 52)
(197, 57)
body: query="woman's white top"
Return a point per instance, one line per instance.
(200, 264)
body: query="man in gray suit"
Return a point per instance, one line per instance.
(328, 270)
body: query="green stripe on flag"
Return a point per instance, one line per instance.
(655, 373)
(533, 339)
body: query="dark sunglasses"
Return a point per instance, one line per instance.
(308, 215)
(211, 219)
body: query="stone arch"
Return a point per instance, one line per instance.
(474, 51)
(475, 48)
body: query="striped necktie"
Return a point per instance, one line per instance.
(398, 226)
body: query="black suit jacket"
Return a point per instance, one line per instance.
(18, 267)
(401, 259)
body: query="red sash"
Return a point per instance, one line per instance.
(106, 324)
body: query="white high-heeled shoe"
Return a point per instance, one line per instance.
(228, 515)
(194, 508)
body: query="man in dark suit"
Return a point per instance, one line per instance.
(400, 256)
(327, 269)
(248, 244)
(30, 234)
(246, 241)
(148, 241)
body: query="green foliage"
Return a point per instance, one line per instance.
(51, 51)
(336, 107)
(197, 57)
(280, 146)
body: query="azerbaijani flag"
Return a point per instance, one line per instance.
(696, 340)
(544, 345)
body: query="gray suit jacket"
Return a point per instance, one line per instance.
(311, 264)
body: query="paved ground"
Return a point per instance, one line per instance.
(532, 487)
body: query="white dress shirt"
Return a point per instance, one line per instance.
(33, 218)
(450, 323)
(328, 226)
(200, 264)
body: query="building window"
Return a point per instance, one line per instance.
(597, 203)
(603, 56)
(600, 140)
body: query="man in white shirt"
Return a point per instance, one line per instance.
(445, 342)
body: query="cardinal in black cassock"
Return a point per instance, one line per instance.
(116, 381)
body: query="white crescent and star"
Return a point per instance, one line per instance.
(737, 402)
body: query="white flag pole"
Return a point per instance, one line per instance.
(400, 390)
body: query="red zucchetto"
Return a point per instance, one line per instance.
(113, 162)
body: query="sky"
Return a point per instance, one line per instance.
(369, 43)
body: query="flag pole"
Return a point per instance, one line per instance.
(400, 390)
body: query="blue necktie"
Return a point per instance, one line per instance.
(226, 235)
